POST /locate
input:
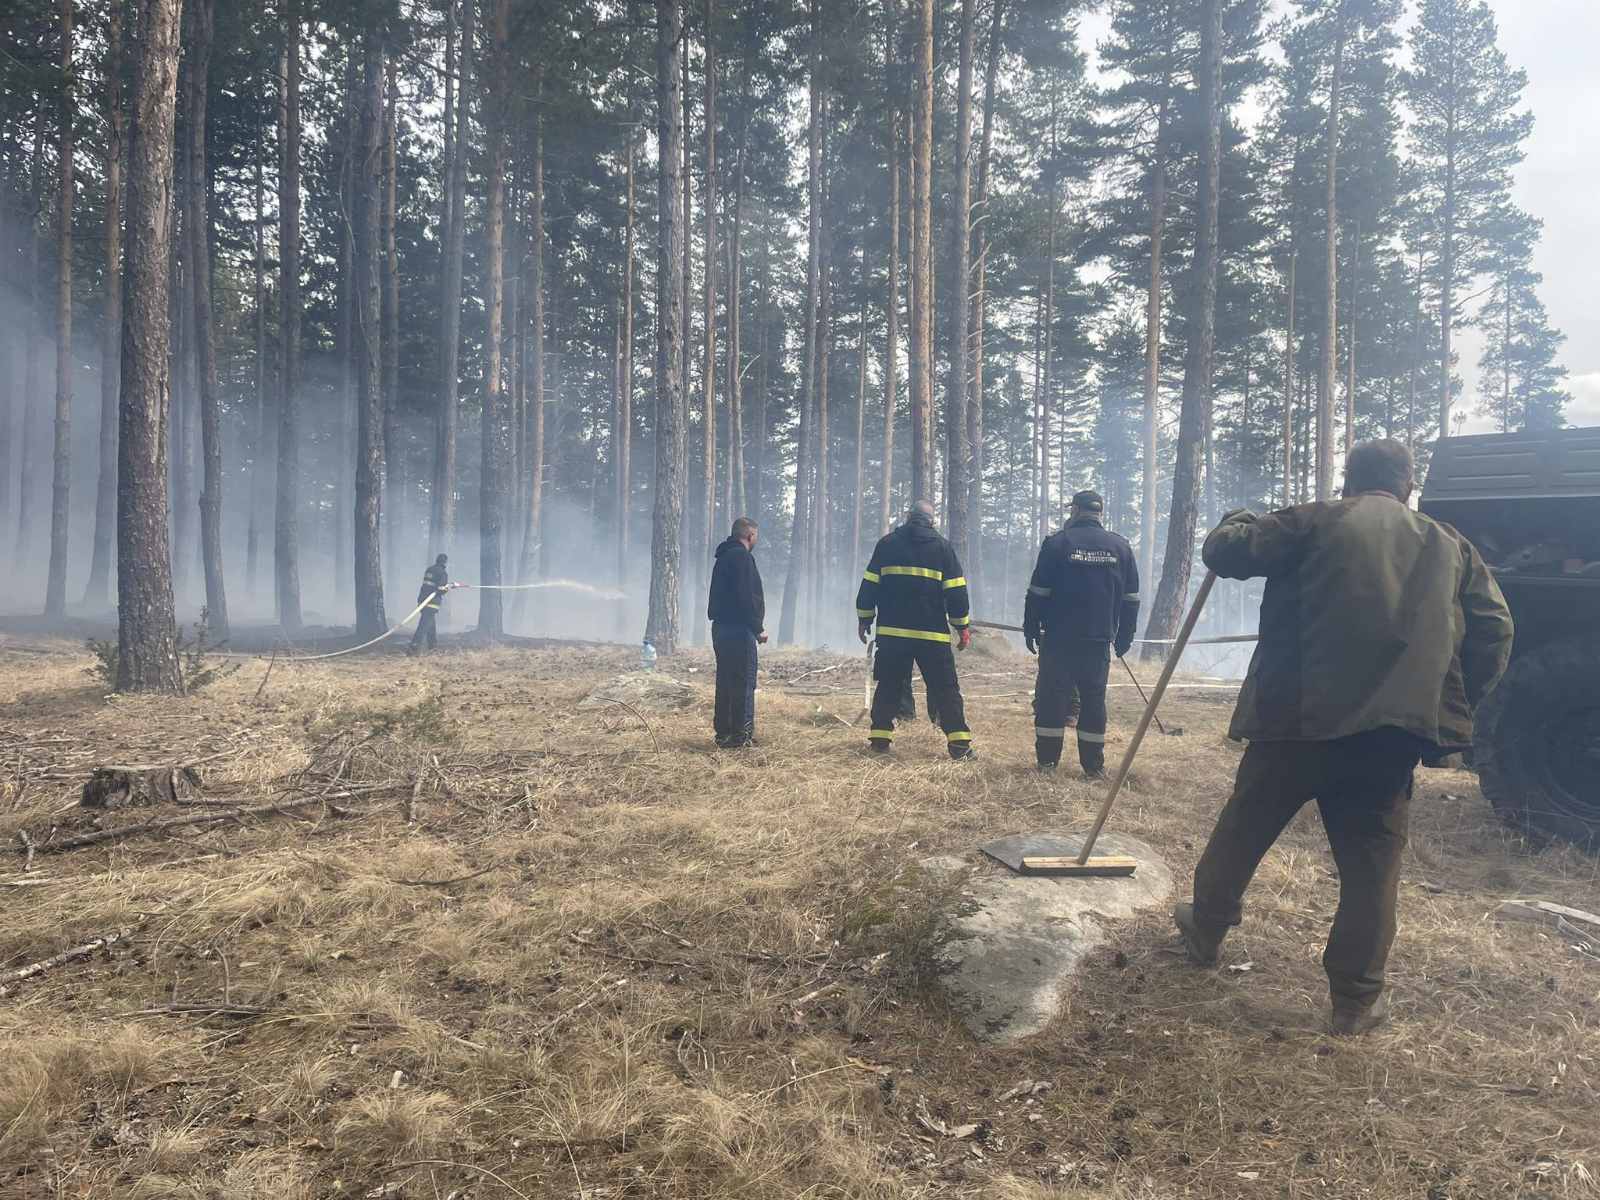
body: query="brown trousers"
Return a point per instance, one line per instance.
(1362, 785)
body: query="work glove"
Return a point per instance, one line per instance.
(1030, 639)
(1122, 647)
(864, 631)
(966, 637)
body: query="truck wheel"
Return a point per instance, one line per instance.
(1537, 745)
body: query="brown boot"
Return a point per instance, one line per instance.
(1203, 947)
(1349, 1020)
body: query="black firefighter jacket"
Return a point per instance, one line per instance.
(914, 585)
(736, 595)
(1085, 585)
(434, 582)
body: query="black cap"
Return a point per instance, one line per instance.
(443, 558)
(1089, 502)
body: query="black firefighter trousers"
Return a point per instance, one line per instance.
(427, 635)
(1071, 682)
(1362, 784)
(937, 661)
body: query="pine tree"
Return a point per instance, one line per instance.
(1467, 134)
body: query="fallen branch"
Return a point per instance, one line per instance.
(445, 882)
(66, 956)
(280, 808)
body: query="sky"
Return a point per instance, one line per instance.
(1559, 182)
(1554, 42)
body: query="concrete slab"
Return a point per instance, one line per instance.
(1020, 938)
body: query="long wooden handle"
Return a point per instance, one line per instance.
(1160, 690)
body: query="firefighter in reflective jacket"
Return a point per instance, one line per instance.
(435, 583)
(1083, 602)
(915, 589)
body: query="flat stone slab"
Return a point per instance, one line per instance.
(1020, 938)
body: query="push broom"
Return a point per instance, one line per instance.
(1122, 864)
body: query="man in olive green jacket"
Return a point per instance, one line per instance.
(1381, 630)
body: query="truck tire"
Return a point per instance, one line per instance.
(1537, 744)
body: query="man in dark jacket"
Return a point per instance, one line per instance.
(1381, 630)
(738, 611)
(1082, 599)
(435, 583)
(913, 586)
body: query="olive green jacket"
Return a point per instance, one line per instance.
(1373, 615)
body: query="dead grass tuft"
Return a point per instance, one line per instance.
(394, 1123)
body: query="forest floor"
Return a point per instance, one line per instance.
(494, 944)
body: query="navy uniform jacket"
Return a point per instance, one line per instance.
(914, 586)
(1085, 585)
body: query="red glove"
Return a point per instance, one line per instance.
(966, 637)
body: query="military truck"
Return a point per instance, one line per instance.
(1530, 502)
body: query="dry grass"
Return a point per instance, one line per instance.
(549, 952)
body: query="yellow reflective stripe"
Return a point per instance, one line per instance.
(922, 634)
(958, 737)
(1084, 736)
(1044, 731)
(919, 572)
(1131, 596)
(866, 614)
(870, 576)
(1042, 592)
(958, 581)
(959, 622)
(886, 734)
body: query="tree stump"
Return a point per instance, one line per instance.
(139, 787)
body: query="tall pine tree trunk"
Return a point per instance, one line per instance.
(1330, 298)
(666, 538)
(533, 512)
(708, 411)
(491, 506)
(55, 596)
(389, 385)
(442, 524)
(147, 651)
(975, 402)
(1152, 317)
(98, 592)
(262, 430)
(1288, 378)
(622, 423)
(800, 538)
(821, 557)
(286, 535)
(860, 489)
(34, 337)
(365, 337)
(891, 345)
(1173, 592)
(735, 311)
(921, 362)
(201, 20)
(958, 452)
(1350, 349)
